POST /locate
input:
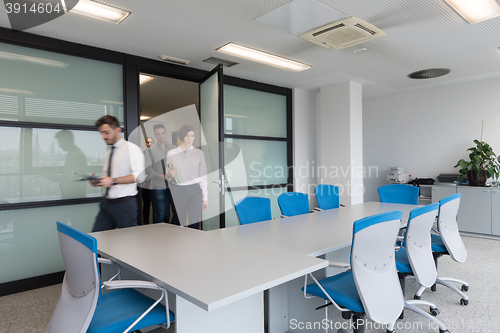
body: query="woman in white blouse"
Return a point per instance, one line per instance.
(188, 176)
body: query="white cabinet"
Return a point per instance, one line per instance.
(495, 211)
(474, 214)
(442, 191)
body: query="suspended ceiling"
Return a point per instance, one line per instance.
(420, 34)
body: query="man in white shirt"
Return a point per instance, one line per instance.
(123, 168)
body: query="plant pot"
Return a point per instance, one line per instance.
(474, 180)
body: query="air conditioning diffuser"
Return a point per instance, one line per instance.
(343, 33)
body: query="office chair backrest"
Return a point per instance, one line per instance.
(327, 196)
(253, 209)
(399, 193)
(418, 244)
(448, 227)
(293, 203)
(374, 267)
(81, 286)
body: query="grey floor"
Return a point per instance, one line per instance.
(31, 311)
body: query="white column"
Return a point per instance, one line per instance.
(305, 109)
(341, 139)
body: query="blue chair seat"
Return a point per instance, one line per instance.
(402, 262)
(437, 244)
(342, 289)
(118, 309)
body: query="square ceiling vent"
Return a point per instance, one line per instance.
(344, 33)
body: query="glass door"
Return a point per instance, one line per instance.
(211, 113)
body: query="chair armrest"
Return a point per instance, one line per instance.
(131, 284)
(141, 284)
(109, 262)
(338, 264)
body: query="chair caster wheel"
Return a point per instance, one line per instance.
(464, 301)
(389, 331)
(341, 330)
(465, 287)
(433, 288)
(443, 331)
(417, 297)
(434, 311)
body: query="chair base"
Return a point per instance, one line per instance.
(444, 281)
(410, 305)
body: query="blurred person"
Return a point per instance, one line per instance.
(188, 175)
(123, 168)
(156, 171)
(146, 187)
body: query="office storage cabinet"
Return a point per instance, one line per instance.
(495, 211)
(479, 207)
(474, 214)
(442, 191)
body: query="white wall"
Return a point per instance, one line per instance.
(305, 138)
(427, 132)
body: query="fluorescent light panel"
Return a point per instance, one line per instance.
(476, 10)
(145, 78)
(144, 117)
(100, 11)
(262, 57)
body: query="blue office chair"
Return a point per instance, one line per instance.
(293, 203)
(399, 194)
(448, 242)
(415, 258)
(81, 306)
(253, 209)
(371, 287)
(327, 196)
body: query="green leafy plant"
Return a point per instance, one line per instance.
(482, 160)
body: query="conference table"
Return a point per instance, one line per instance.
(219, 277)
(324, 234)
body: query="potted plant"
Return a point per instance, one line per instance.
(483, 164)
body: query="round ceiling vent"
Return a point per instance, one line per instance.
(429, 73)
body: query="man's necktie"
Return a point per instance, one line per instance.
(109, 168)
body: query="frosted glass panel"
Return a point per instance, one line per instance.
(42, 86)
(29, 245)
(271, 193)
(265, 161)
(37, 164)
(252, 112)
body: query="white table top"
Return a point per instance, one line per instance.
(312, 234)
(208, 269)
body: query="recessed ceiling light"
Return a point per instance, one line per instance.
(145, 78)
(262, 57)
(173, 60)
(144, 117)
(476, 10)
(33, 60)
(100, 11)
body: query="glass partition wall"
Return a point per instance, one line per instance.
(257, 121)
(49, 103)
(51, 94)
